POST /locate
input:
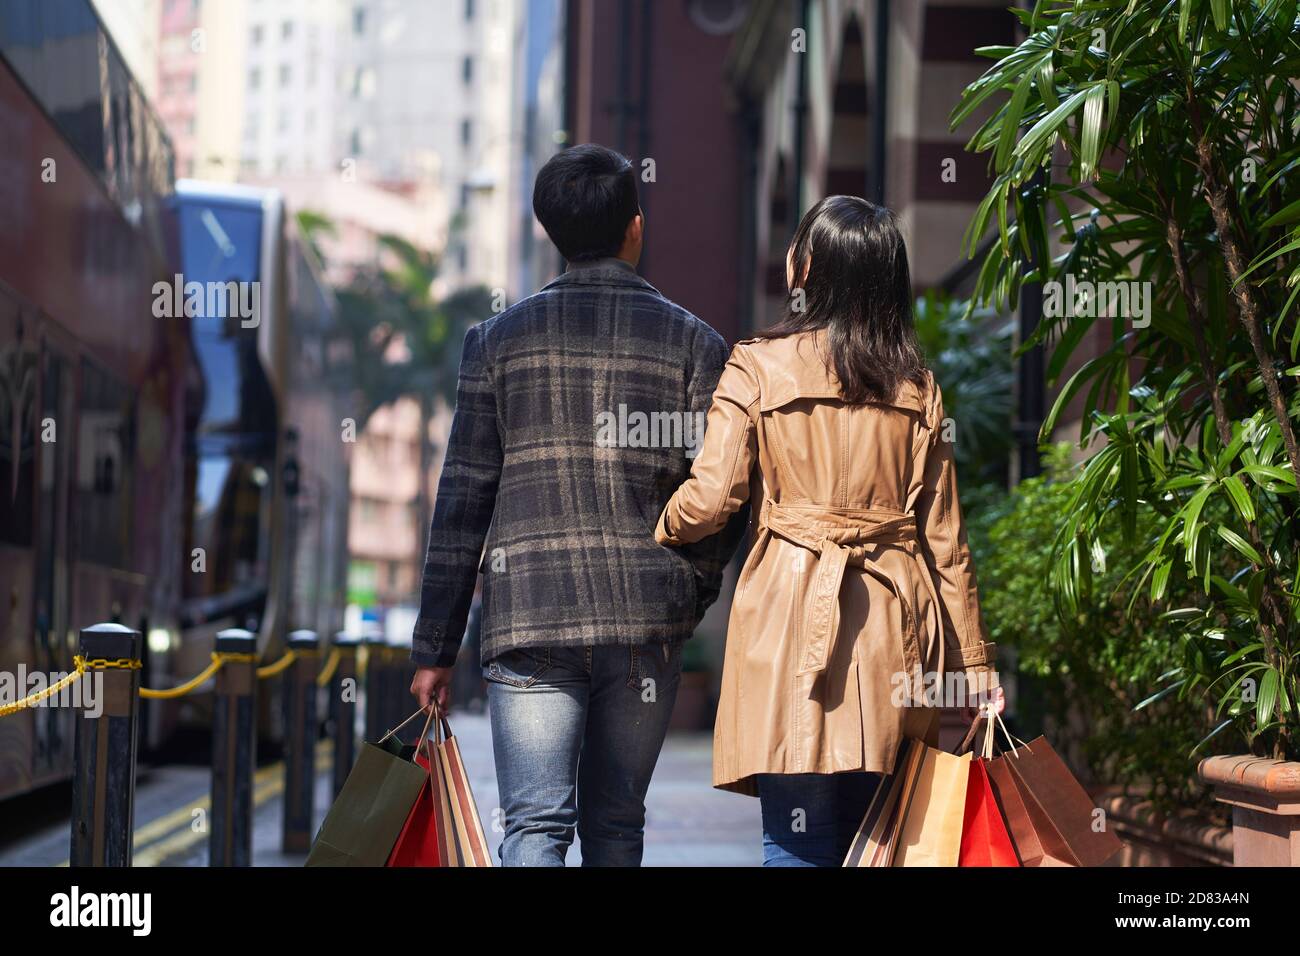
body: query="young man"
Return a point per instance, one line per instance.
(578, 411)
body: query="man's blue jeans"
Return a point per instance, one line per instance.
(576, 733)
(809, 819)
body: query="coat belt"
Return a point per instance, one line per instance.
(833, 534)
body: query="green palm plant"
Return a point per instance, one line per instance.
(1155, 143)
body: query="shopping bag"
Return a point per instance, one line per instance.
(1062, 814)
(370, 811)
(461, 811)
(428, 837)
(877, 836)
(931, 829)
(443, 828)
(1050, 817)
(984, 837)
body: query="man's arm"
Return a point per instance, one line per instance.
(467, 493)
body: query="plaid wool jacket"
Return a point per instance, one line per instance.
(578, 412)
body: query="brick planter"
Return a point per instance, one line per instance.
(1265, 798)
(1151, 839)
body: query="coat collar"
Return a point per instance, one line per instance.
(608, 272)
(793, 367)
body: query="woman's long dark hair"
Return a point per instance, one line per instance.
(858, 287)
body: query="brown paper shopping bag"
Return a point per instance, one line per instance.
(1051, 818)
(930, 834)
(877, 836)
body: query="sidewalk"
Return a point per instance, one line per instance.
(688, 823)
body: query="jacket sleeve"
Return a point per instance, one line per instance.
(709, 556)
(467, 492)
(719, 483)
(942, 532)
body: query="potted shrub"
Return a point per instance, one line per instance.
(1146, 154)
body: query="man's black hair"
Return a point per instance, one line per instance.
(584, 197)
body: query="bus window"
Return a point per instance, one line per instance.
(104, 440)
(17, 425)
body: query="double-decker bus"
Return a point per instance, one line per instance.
(90, 443)
(134, 437)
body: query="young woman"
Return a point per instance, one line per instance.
(859, 584)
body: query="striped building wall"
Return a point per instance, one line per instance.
(929, 62)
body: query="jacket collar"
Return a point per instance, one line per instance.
(793, 367)
(608, 272)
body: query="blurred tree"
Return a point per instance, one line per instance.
(969, 352)
(389, 307)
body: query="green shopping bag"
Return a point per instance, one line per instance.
(371, 809)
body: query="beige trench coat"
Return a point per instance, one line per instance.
(859, 582)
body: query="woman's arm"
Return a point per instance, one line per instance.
(943, 542)
(719, 481)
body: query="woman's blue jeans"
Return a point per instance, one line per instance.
(809, 819)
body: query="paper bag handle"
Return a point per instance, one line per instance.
(423, 734)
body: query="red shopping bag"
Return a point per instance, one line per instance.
(984, 837)
(443, 828)
(424, 839)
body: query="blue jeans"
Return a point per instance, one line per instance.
(809, 819)
(576, 732)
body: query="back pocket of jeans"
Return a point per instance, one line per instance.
(520, 667)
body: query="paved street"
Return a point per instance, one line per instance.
(688, 822)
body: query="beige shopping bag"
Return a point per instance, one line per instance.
(931, 828)
(877, 836)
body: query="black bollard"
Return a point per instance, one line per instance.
(375, 714)
(394, 693)
(234, 752)
(403, 674)
(300, 730)
(343, 712)
(103, 787)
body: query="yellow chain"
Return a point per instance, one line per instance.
(50, 691)
(270, 670)
(331, 665)
(107, 663)
(219, 659)
(180, 690)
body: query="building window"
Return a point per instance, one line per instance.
(358, 20)
(466, 132)
(257, 35)
(363, 83)
(286, 29)
(467, 70)
(717, 17)
(254, 78)
(469, 9)
(286, 74)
